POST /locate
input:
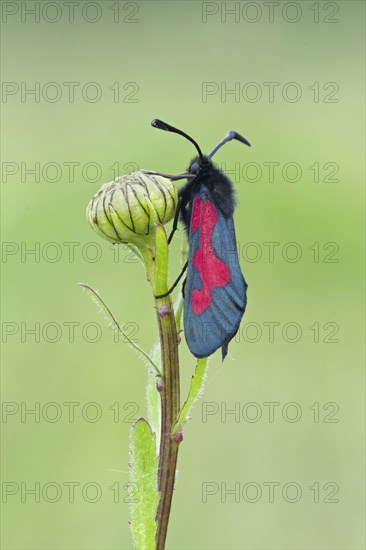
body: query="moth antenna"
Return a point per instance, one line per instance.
(229, 136)
(156, 123)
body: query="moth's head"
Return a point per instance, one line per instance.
(198, 165)
(195, 166)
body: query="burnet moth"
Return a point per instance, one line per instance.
(215, 289)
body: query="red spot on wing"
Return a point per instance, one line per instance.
(213, 271)
(195, 214)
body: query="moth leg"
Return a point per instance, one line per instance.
(176, 218)
(172, 177)
(175, 284)
(184, 287)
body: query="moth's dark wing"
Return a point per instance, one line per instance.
(218, 323)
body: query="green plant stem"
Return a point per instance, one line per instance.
(168, 385)
(156, 269)
(169, 413)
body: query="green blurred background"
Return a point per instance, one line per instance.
(168, 51)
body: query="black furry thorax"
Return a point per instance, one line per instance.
(216, 182)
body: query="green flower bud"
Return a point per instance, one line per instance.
(128, 209)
